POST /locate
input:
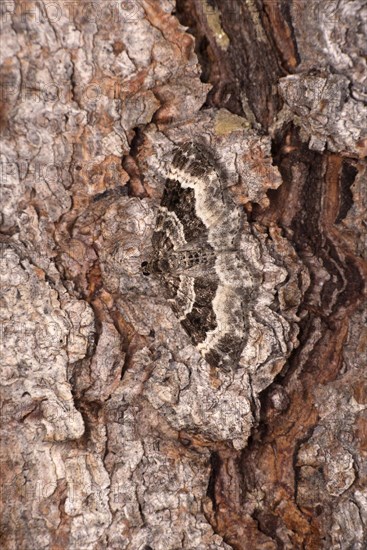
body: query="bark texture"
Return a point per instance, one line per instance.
(116, 434)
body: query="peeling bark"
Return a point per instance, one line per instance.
(115, 432)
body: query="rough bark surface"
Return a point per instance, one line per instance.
(116, 433)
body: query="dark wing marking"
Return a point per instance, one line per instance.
(201, 319)
(182, 203)
(227, 351)
(192, 300)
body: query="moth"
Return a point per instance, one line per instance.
(196, 256)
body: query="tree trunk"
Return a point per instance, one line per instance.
(116, 433)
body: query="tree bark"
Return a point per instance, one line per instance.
(116, 434)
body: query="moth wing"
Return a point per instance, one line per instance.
(198, 215)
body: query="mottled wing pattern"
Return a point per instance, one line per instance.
(195, 169)
(191, 299)
(195, 255)
(181, 203)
